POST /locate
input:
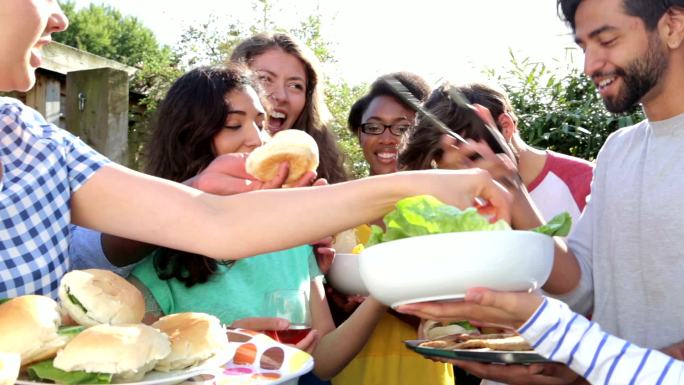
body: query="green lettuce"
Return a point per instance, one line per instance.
(425, 214)
(464, 324)
(45, 370)
(70, 331)
(75, 300)
(558, 226)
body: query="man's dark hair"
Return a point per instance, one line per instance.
(650, 11)
(415, 84)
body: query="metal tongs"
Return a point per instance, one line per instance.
(474, 119)
(405, 95)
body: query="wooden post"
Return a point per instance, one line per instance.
(97, 110)
(45, 98)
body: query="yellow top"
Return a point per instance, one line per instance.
(385, 360)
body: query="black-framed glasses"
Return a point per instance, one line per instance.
(375, 128)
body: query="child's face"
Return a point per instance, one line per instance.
(283, 77)
(243, 127)
(25, 27)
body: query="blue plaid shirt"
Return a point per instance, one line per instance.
(42, 165)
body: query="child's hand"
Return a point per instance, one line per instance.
(481, 306)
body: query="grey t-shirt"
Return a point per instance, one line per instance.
(630, 239)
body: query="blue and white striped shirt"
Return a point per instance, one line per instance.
(559, 334)
(42, 165)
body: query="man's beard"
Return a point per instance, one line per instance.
(639, 77)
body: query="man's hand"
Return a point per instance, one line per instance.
(675, 351)
(535, 374)
(481, 306)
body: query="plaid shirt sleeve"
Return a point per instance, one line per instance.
(42, 165)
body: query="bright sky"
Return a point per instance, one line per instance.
(452, 39)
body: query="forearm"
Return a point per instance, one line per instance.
(231, 227)
(565, 273)
(563, 336)
(337, 348)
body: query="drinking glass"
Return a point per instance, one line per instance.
(293, 305)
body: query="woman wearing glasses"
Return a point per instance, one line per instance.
(380, 120)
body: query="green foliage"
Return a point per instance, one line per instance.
(216, 40)
(559, 108)
(339, 98)
(209, 43)
(152, 81)
(104, 31)
(309, 32)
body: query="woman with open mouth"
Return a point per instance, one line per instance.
(289, 73)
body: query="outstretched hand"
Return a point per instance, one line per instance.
(226, 175)
(479, 155)
(481, 306)
(507, 309)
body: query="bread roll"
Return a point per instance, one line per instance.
(127, 351)
(195, 337)
(93, 297)
(9, 368)
(28, 327)
(296, 147)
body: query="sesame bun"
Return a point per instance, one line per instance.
(92, 297)
(296, 147)
(9, 368)
(195, 337)
(127, 351)
(28, 327)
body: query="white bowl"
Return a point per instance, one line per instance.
(445, 266)
(344, 274)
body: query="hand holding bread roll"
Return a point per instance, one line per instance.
(295, 147)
